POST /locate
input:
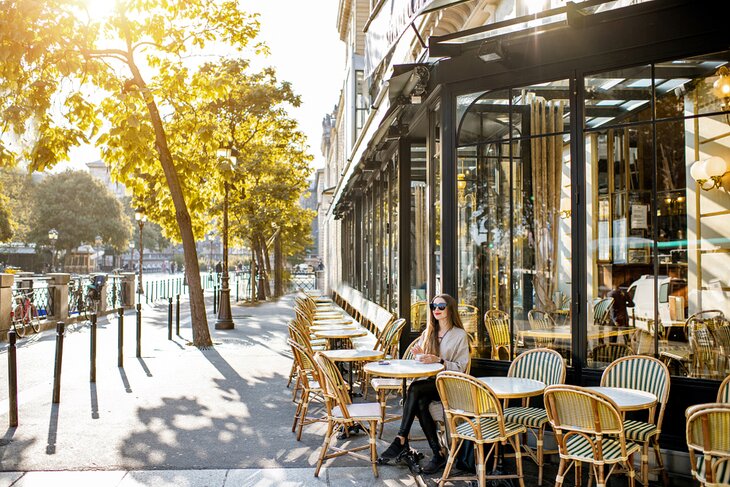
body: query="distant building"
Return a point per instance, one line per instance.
(100, 171)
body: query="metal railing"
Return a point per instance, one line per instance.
(114, 292)
(303, 282)
(40, 295)
(76, 293)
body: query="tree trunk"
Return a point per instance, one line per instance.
(252, 270)
(279, 267)
(261, 290)
(265, 250)
(201, 333)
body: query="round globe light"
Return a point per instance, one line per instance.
(698, 172)
(715, 166)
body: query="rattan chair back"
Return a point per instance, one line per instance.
(602, 311)
(708, 441)
(723, 393)
(541, 364)
(333, 385)
(497, 324)
(541, 320)
(642, 373)
(608, 352)
(575, 409)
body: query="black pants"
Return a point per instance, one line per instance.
(420, 395)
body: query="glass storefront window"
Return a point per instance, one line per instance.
(513, 186)
(655, 222)
(419, 238)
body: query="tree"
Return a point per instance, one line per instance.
(80, 207)
(18, 192)
(51, 57)
(247, 112)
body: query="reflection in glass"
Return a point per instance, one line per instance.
(419, 237)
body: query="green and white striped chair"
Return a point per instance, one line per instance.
(647, 374)
(602, 311)
(588, 429)
(723, 394)
(547, 366)
(708, 441)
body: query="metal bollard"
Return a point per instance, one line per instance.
(177, 316)
(120, 338)
(12, 380)
(60, 329)
(169, 318)
(139, 330)
(215, 299)
(147, 292)
(92, 351)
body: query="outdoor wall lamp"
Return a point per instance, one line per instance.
(709, 173)
(721, 86)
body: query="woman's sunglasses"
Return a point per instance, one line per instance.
(441, 306)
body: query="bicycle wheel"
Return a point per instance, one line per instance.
(18, 324)
(35, 321)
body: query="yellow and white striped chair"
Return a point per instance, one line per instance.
(588, 429)
(309, 382)
(647, 374)
(723, 393)
(708, 441)
(474, 413)
(342, 412)
(547, 366)
(497, 324)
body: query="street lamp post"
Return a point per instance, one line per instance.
(53, 237)
(98, 241)
(140, 217)
(225, 320)
(131, 257)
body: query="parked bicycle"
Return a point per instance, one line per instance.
(24, 314)
(85, 300)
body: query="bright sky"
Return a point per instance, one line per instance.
(305, 50)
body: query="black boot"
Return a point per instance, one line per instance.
(394, 450)
(437, 462)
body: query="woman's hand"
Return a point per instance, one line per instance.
(428, 358)
(416, 349)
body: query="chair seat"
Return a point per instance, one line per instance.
(579, 448)
(723, 472)
(382, 383)
(490, 430)
(639, 430)
(365, 411)
(529, 417)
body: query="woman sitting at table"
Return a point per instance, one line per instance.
(443, 341)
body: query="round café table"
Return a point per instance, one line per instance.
(333, 321)
(334, 326)
(627, 399)
(353, 355)
(335, 336)
(513, 387)
(402, 369)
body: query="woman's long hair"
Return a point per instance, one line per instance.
(431, 340)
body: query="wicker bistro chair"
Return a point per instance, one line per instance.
(340, 411)
(647, 374)
(602, 311)
(548, 367)
(541, 320)
(723, 393)
(707, 355)
(497, 324)
(588, 428)
(310, 387)
(474, 413)
(708, 440)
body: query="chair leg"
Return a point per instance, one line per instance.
(325, 447)
(561, 472)
(303, 415)
(453, 450)
(540, 453)
(601, 482)
(297, 413)
(373, 451)
(381, 400)
(578, 474)
(632, 473)
(481, 463)
(660, 462)
(518, 459)
(644, 479)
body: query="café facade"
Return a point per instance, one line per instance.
(547, 164)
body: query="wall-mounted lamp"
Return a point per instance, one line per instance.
(709, 173)
(721, 86)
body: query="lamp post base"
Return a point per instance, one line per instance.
(224, 321)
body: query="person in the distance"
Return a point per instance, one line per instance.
(443, 341)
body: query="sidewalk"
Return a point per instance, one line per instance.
(176, 416)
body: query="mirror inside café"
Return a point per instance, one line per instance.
(514, 239)
(657, 152)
